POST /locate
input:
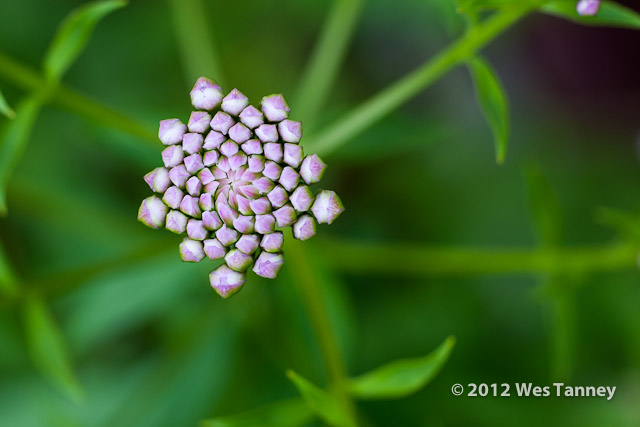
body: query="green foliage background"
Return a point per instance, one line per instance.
(531, 265)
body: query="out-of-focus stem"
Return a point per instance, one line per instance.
(327, 57)
(410, 259)
(415, 82)
(306, 279)
(25, 77)
(195, 41)
(8, 277)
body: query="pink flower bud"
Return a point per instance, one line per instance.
(285, 216)
(265, 224)
(179, 175)
(275, 108)
(172, 197)
(234, 102)
(588, 7)
(225, 281)
(192, 143)
(239, 133)
(327, 207)
(199, 121)
(248, 243)
(312, 169)
(302, 198)
(176, 222)
(268, 265)
(221, 122)
(290, 131)
(206, 94)
(171, 131)
(196, 230)
(213, 140)
(214, 249)
(152, 212)
(251, 117)
(237, 260)
(267, 133)
(272, 242)
(191, 250)
(172, 156)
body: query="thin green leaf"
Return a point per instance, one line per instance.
(325, 405)
(197, 47)
(48, 348)
(73, 35)
(13, 142)
(610, 14)
(286, 413)
(402, 377)
(328, 55)
(492, 100)
(5, 109)
(545, 207)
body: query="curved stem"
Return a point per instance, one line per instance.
(398, 93)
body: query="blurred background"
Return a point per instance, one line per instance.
(152, 345)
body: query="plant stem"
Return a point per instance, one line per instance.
(327, 57)
(391, 98)
(29, 80)
(9, 283)
(307, 280)
(410, 259)
(195, 41)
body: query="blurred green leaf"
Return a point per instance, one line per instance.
(488, 4)
(610, 14)
(286, 413)
(48, 347)
(193, 370)
(28, 79)
(625, 223)
(328, 55)
(322, 403)
(73, 35)
(5, 109)
(492, 100)
(199, 54)
(402, 377)
(545, 207)
(13, 141)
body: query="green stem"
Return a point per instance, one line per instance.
(306, 279)
(398, 93)
(327, 57)
(31, 81)
(195, 41)
(9, 283)
(409, 259)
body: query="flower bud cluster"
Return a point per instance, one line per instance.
(233, 177)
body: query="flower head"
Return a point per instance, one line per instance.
(232, 176)
(588, 7)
